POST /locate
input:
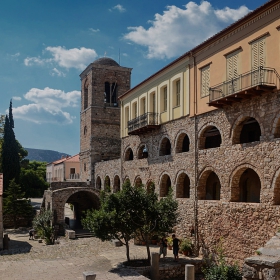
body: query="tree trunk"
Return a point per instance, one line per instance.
(148, 249)
(127, 251)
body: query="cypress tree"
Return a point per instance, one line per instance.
(10, 154)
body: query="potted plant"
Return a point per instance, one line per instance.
(154, 239)
(169, 242)
(186, 246)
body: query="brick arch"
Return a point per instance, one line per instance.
(235, 180)
(165, 183)
(125, 179)
(276, 187)
(183, 184)
(164, 148)
(238, 125)
(201, 186)
(116, 183)
(276, 126)
(203, 129)
(138, 181)
(179, 141)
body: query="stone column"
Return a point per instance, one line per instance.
(155, 266)
(189, 272)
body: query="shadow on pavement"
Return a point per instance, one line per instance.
(17, 247)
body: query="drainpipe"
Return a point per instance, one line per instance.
(196, 236)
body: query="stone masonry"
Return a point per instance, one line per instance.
(243, 226)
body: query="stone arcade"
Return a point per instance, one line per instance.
(210, 124)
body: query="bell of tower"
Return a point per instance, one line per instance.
(102, 82)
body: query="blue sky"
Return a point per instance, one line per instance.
(45, 45)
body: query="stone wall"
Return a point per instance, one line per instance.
(243, 226)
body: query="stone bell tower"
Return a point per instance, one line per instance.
(102, 82)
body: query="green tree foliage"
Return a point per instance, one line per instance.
(32, 178)
(15, 206)
(112, 220)
(131, 212)
(218, 269)
(10, 155)
(42, 225)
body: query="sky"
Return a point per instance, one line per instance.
(45, 45)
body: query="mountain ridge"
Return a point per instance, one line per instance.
(44, 155)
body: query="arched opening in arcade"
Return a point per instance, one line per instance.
(247, 131)
(210, 138)
(165, 147)
(107, 184)
(183, 186)
(150, 187)
(183, 143)
(138, 182)
(142, 152)
(249, 186)
(117, 184)
(98, 183)
(128, 154)
(213, 187)
(75, 208)
(165, 186)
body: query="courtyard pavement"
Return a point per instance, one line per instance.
(29, 259)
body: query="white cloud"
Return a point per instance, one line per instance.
(72, 58)
(13, 56)
(18, 98)
(119, 7)
(48, 106)
(94, 30)
(56, 72)
(178, 30)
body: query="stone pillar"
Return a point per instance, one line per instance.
(189, 272)
(1, 222)
(155, 266)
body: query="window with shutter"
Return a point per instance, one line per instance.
(258, 59)
(205, 81)
(232, 73)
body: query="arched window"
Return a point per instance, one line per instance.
(114, 98)
(183, 143)
(128, 155)
(98, 183)
(117, 187)
(107, 92)
(211, 138)
(213, 187)
(249, 186)
(165, 185)
(250, 131)
(165, 147)
(150, 187)
(86, 94)
(183, 186)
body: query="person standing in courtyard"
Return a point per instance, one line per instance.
(31, 234)
(163, 247)
(176, 244)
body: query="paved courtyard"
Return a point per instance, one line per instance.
(29, 259)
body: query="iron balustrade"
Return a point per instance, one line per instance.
(142, 121)
(261, 76)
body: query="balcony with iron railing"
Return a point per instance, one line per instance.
(244, 86)
(143, 123)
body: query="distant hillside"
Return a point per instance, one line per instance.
(44, 155)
